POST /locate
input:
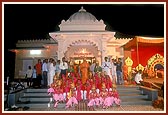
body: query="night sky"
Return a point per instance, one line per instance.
(35, 21)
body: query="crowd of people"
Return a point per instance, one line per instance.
(42, 73)
(71, 83)
(97, 91)
(92, 83)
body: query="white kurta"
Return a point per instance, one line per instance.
(113, 71)
(29, 73)
(51, 73)
(63, 66)
(138, 77)
(106, 66)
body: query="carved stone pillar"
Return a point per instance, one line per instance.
(61, 49)
(103, 48)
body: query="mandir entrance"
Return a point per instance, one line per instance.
(80, 51)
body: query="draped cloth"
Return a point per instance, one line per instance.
(84, 70)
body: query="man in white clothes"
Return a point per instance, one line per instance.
(113, 70)
(106, 66)
(63, 66)
(138, 77)
(51, 71)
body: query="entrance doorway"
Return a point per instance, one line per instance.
(77, 53)
(80, 59)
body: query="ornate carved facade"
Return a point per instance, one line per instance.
(82, 35)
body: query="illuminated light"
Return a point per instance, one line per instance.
(149, 38)
(15, 51)
(83, 50)
(99, 53)
(132, 50)
(91, 34)
(35, 52)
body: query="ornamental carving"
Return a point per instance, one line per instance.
(139, 67)
(128, 61)
(154, 60)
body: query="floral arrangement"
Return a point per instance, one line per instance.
(158, 103)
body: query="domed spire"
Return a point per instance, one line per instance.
(83, 16)
(82, 21)
(82, 9)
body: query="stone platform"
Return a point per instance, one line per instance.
(111, 109)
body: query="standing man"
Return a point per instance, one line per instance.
(63, 66)
(34, 77)
(92, 67)
(84, 70)
(45, 71)
(113, 71)
(78, 69)
(51, 71)
(119, 71)
(29, 76)
(106, 66)
(39, 72)
(58, 70)
(97, 68)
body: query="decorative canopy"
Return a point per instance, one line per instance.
(144, 42)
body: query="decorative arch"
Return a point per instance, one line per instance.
(154, 60)
(76, 46)
(83, 42)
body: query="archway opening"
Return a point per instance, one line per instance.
(83, 49)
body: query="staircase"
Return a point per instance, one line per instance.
(131, 95)
(38, 98)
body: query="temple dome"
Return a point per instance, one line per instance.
(82, 15)
(82, 21)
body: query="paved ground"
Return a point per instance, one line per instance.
(131, 108)
(112, 109)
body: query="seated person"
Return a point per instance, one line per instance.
(19, 84)
(138, 77)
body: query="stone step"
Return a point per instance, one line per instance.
(132, 96)
(118, 88)
(39, 104)
(36, 94)
(127, 88)
(136, 102)
(36, 90)
(129, 92)
(36, 98)
(49, 98)
(46, 94)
